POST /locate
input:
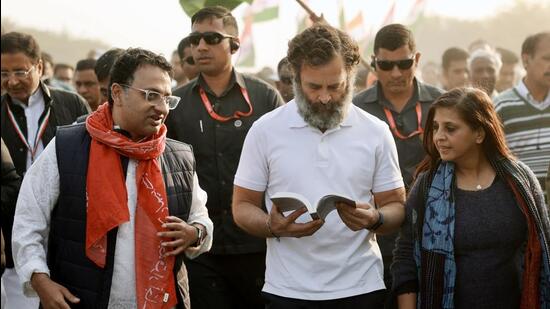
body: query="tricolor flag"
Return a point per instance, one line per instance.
(416, 12)
(390, 16)
(357, 30)
(356, 27)
(265, 10)
(247, 56)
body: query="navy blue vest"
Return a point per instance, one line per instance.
(67, 259)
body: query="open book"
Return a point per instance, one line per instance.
(287, 201)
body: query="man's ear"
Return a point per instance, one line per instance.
(40, 67)
(116, 92)
(417, 57)
(234, 45)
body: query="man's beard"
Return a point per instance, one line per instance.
(319, 115)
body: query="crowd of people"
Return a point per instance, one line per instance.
(133, 180)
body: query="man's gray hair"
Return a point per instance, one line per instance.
(490, 54)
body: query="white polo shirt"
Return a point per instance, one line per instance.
(283, 153)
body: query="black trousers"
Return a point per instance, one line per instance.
(226, 281)
(374, 300)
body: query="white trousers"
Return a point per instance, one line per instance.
(14, 297)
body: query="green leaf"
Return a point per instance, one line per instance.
(190, 7)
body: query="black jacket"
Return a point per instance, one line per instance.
(65, 108)
(67, 259)
(217, 146)
(10, 188)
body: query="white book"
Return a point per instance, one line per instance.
(288, 201)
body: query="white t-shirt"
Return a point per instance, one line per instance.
(283, 153)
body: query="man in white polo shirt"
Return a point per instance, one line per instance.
(319, 144)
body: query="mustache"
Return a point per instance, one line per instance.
(323, 115)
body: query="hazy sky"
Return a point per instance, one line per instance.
(159, 25)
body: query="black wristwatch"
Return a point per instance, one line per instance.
(378, 223)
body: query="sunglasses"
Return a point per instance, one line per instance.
(189, 60)
(211, 38)
(388, 65)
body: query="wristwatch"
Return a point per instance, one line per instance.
(378, 223)
(200, 236)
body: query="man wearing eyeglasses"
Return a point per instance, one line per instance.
(30, 114)
(187, 62)
(217, 110)
(119, 203)
(402, 101)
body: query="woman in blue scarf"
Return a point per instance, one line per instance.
(477, 232)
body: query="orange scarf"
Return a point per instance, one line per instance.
(108, 206)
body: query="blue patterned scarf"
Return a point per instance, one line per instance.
(434, 256)
(437, 252)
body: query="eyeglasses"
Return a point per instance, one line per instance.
(388, 65)
(211, 38)
(19, 74)
(189, 60)
(153, 97)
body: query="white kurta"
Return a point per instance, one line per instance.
(37, 198)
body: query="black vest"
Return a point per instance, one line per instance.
(67, 259)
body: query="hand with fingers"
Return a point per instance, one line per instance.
(282, 226)
(178, 235)
(52, 295)
(359, 217)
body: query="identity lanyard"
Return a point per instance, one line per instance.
(39, 132)
(236, 115)
(393, 127)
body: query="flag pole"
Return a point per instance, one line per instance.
(314, 17)
(321, 19)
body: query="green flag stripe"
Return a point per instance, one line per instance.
(267, 14)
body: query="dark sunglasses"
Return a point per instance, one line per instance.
(189, 60)
(388, 65)
(211, 38)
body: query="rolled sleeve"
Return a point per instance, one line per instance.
(199, 215)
